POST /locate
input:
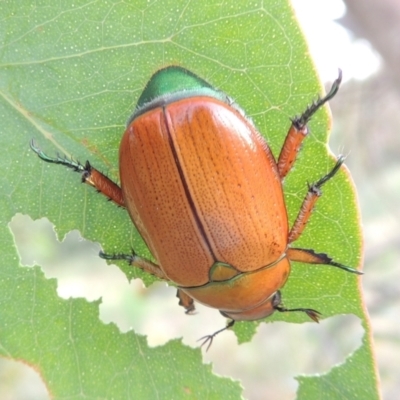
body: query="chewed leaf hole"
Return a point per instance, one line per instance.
(307, 348)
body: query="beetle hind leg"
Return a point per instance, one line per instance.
(309, 256)
(90, 175)
(313, 314)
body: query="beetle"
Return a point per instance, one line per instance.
(204, 191)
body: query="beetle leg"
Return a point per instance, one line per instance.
(299, 130)
(90, 175)
(137, 261)
(209, 338)
(313, 314)
(313, 194)
(185, 301)
(277, 305)
(309, 256)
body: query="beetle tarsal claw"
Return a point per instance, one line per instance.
(313, 314)
(209, 338)
(301, 121)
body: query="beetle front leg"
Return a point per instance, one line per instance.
(90, 175)
(137, 261)
(299, 130)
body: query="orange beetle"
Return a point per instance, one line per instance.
(204, 190)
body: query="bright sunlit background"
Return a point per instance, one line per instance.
(364, 127)
(331, 45)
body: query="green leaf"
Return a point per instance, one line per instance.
(70, 76)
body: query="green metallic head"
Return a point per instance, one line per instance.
(171, 84)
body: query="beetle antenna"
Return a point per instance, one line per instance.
(313, 314)
(301, 121)
(209, 338)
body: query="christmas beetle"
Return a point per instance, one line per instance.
(205, 192)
